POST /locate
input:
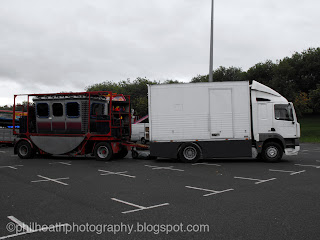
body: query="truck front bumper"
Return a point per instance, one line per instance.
(292, 151)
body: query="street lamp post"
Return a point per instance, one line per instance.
(211, 43)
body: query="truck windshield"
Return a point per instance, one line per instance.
(283, 112)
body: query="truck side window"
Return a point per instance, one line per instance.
(283, 112)
(72, 109)
(43, 110)
(57, 109)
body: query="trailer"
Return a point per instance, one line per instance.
(140, 132)
(6, 136)
(6, 118)
(97, 123)
(221, 120)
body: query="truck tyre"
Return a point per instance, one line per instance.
(24, 149)
(189, 153)
(134, 154)
(103, 151)
(271, 152)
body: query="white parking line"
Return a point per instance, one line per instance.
(213, 192)
(208, 164)
(115, 173)
(65, 163)
(28, 229)
(258, 180)
(12, 167)
(166, 168)
(20, 224)
(139, 208)
(50, 179)
(291, 172)
(302, 165)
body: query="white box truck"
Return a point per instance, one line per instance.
(221, 120)
(140, 132)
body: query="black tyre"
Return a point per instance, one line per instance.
(121, 154)
(189, 153)
(271, 152)
(103, 151)
(24, 150)
(143, 140)
(134, 154)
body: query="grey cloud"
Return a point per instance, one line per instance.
(57, 45)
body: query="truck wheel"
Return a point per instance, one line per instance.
(134, 154)
(103, 151)
(271, 152)
(25, 150)
(189, 153)
(143, 140)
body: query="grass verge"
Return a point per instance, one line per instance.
(310, 128)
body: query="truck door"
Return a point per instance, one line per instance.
(221, 113)
(58, 119)
(265, 117)
(284, 121)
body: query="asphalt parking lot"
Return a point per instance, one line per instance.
(43, 198)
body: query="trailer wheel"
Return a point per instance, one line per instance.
(24, 149)
(189, 153)
(103, 151)
(134, 154)
(271, 152)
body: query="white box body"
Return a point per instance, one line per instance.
(199, 111)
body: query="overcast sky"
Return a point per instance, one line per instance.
(67, 45)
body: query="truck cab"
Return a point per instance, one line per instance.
(274, 123)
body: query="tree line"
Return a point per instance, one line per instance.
(297, 78)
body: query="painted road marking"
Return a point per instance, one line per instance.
(302, 165)
(166, 168)
(305, 150)
(2, 152)
(213, 192)
(291, 172)
(50, 179)
(115, 173)
(29, 230)
(12, 167)
(209, 164)
(258, 180)
(139, 208)
(65, 163)
(20, 224)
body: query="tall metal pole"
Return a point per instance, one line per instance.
(211, 44)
